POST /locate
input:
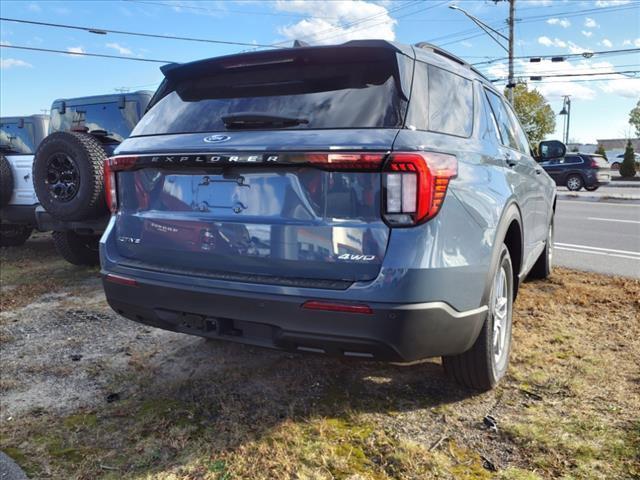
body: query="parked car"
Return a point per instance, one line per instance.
(19, 138)
(617, 161)
(367, 200)
(578, 170)
(68, 168)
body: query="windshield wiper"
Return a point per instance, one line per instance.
(260, 120)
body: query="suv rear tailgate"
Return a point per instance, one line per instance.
(249, 217)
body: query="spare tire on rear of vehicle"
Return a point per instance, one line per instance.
(6, 182)
(68, 176)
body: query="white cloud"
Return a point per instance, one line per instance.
(556, 42)
(591, 23)
(6, 63)
(76, 50)
(587, 33)
(4, 42)
(119, 48)
(337, 22)
(34, 7)
(607, 43)
(611, 3)
(573, 48)
(636, 42)
(563, 22)
(467, 44)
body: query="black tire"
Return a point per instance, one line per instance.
(6, 182)
(68, 176)
(77, 249)
(479, 368)
(14, 235)
(543, 266)
(574, 182)
(591, 188)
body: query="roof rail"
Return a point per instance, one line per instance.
(438, 51)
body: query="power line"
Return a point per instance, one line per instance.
(410, 3)
(589, 74)
(383, 22)
(85, 54)
(568, 55)
(222, 10)
(104, 31)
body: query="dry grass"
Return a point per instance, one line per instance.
(35, 269)
(569, 408)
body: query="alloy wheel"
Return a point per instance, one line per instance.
(63, 177)
(500, 313)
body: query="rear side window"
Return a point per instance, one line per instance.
(450, 103)
(572, 159)
(506, 127)
(17, 139)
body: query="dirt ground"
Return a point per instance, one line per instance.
(86, 394)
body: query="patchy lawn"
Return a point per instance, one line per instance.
(86, 394)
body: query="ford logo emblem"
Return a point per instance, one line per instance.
(216, 138)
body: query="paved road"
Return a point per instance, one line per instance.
(598, 236)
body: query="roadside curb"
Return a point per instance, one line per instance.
(9, 470)
(614, 198)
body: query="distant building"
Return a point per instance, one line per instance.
(581, 147)
(619, 143)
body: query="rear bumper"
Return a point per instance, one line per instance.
(393, 332)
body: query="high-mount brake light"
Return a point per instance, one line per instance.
(415, 185)
(111, 166)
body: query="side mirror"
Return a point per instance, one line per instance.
(21, 123)
(63, 108)
(551, 149)
(122, 102)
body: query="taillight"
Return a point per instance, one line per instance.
(415, 185)
(594, 163)
(111, 166)
(344, 161)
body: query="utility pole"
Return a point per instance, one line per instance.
(512, 20)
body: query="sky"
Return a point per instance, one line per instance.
(30, 80)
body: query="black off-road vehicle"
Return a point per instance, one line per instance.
(68, 168)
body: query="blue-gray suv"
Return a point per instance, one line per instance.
(368, 200)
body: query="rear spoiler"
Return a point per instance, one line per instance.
(348, 53)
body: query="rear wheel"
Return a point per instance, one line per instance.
(482, 366)
(575, 183)
(542, 268)
(77, 249)
(14, 235)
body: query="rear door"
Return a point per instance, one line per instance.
(279, 179)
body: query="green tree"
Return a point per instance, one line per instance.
(628, 167)
(600, 151)
(575, 149)
(634, 118)
(535, 114)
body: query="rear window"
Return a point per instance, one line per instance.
(17, 139)
(115, 118)
(318, 91)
